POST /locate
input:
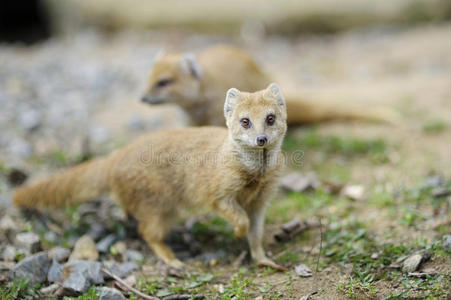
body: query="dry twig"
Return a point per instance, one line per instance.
(185, 297)
(128, 287)
(320, 244)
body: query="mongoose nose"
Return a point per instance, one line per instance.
(144, 99)
(262, 140)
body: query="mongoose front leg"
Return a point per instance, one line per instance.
(232, 212)
(255, 237)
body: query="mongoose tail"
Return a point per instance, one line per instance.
(81, 183)
(304, 111)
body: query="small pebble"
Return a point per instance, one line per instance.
(107, 293)
(85, 249)
(412, 263)
(103, 246)
(59, 254)
(303, 271)
(9, 253)
(34, 268)
(28, 241)
(55, 272)
(133, 255)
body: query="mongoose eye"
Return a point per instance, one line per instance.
(163, 82)
(245, 122)
(270, 120)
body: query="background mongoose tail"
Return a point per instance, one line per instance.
(304, 111)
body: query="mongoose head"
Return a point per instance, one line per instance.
(175, 78)
(256, 120)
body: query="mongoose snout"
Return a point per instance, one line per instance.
(262, 140)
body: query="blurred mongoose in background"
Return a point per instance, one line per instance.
(198, 84)
(233, 172)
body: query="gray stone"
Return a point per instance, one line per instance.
(96, 231)
(28, 241)
(30, 120)
(51, 237)
(6, 265)
(107, 293)
(121, 270)
(207, 257)
(55, 272)
(20, 147)
(72, 240)
(9, 253)
(84, 249)
(133, 255)
(412, 263)
(303, 271)
(5, 200)
(433, 181)
(104, 244)
(136, 124)
(7, 224)
(98, 135)
(120, 247)
(59, 254)
(75, 285)
(34, 267)
(90, 269)
(298, 182)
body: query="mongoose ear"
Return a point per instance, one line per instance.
(232, 97)
(273, 91)
(190, 65)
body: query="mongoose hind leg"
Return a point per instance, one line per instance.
(165, 253)
(153, 230)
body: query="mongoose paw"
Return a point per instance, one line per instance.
(266, 262)
(176, 264)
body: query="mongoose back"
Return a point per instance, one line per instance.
(197, 84)
(233, 172)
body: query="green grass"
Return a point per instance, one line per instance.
(353, 244)
(382, 199)
(190, 283)
(92, 294)
(423, 288)
(410, 206)
(18, 289)
(357, 285)
(435, 126)
(376, 149)
(239, 287)
(309, 203)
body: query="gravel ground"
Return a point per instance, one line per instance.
(64, 95)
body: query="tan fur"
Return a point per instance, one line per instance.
(219, 169)
(221, 67)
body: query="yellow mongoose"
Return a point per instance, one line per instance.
(233, 172)
(197, 84)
